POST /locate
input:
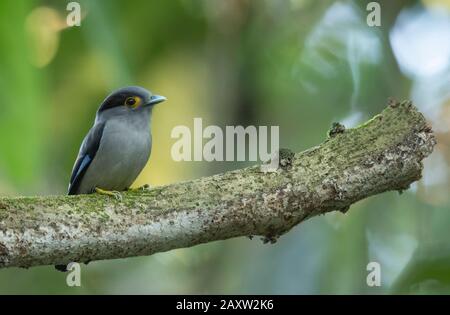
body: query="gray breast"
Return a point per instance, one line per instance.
(123, 152)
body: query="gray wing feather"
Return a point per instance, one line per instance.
(88, 150)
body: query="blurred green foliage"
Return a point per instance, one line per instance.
(299, 64)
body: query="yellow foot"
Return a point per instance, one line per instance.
(142, 188)
(114, 194)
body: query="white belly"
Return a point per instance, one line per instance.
(121, 156)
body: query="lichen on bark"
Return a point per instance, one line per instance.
(382, 154)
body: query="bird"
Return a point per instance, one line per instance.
(117, 147)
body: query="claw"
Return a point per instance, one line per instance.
(117, 195)
(145, 187)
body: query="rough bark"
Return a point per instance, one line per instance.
(383, 154)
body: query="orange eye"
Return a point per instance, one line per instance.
(133, 101)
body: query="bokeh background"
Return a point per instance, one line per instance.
(298, 64)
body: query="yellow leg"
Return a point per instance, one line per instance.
(114, 194)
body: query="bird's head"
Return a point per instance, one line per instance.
(129, 100)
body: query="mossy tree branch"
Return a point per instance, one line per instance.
(383, 154)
